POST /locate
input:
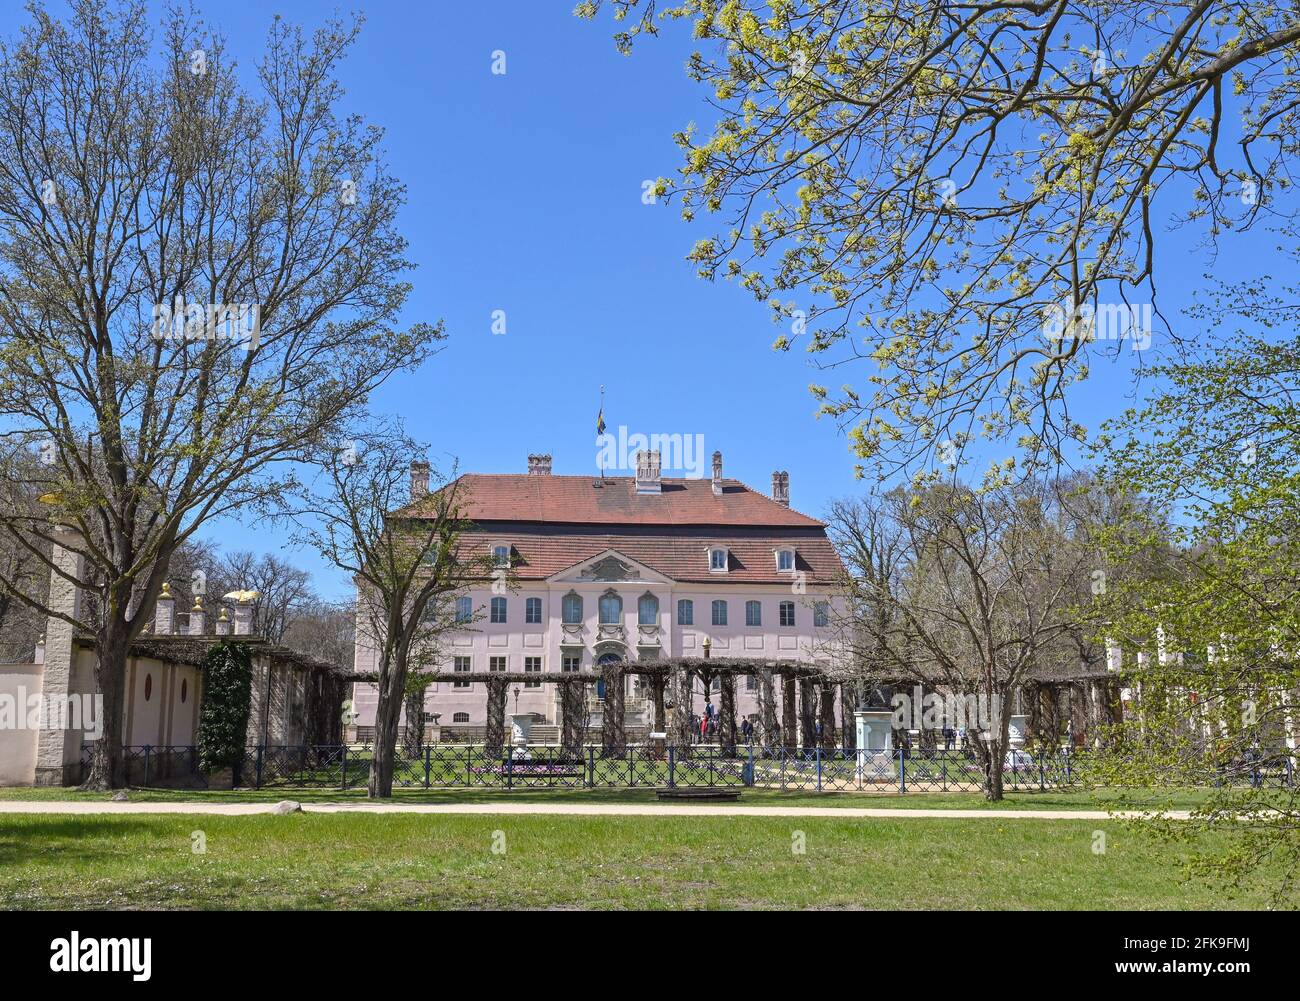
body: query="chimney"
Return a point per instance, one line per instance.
(717, 474)
(781, 488)
(419, 479)
(198, 617)
(223, 624)
(164, 616)
(647, 473)
(539, 465)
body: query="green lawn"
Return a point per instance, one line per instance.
(410, 861)
(1072, 800)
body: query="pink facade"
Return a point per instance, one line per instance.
(650, 551)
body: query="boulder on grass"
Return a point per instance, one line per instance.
(287, 806)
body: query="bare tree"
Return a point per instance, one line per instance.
(198, 286)
(324, 630)
(401, 542)
(282, 589)
(968, 590)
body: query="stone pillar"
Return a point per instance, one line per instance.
(767, 696)
(223, 624)
(789, 720)
(807, 725)
(243, 618)
(727, 712)
(612, 737)
(573, 715)
(164, 616)
(198, 617)
(827, 706)
(257, 697)
(58, 751)
(495, 736)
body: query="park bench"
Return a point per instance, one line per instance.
(715, 794)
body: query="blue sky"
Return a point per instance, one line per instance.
(525, 196)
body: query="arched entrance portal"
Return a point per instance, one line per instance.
(601, 661)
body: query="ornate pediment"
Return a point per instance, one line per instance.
(609, 567)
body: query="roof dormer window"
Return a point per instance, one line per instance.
(785, 560)
(501, 555)
(717, 559)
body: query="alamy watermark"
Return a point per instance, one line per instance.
(237, 322)
(1108, 321)
(684, 452)
(36, 711)
(935, 711)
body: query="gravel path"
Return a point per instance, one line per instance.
(559, 809)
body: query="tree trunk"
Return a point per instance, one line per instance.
(848, 725)
(107, 765)
(657, 683)
(828, 716)
(997, 747)
(413, 745)
(683, 696)
(767, 708)
(727, 711)
(495, 735)
(387, 718)
(611, 730)
(807, 723)
(789, 719)
(573, 716)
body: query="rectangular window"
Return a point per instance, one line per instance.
(787, 613)
(821, 613)
(753, 613)
(460, 666)
(686, 612)
(532, 665)
(498, 610)
(571, 664)
(717, 559)
(719, 613)
(464, 611)
(501, 556)
(751, 682)
(533, 611)
(785, 559)
(497, 665)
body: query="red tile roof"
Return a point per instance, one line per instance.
(556, 522)
(576, 500)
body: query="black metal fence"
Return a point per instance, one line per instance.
(902, 770)
(344, 767)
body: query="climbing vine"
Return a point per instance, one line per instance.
(223, 717)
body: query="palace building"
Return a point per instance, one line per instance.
(619, 570)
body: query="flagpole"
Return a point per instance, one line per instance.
(600, 452)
